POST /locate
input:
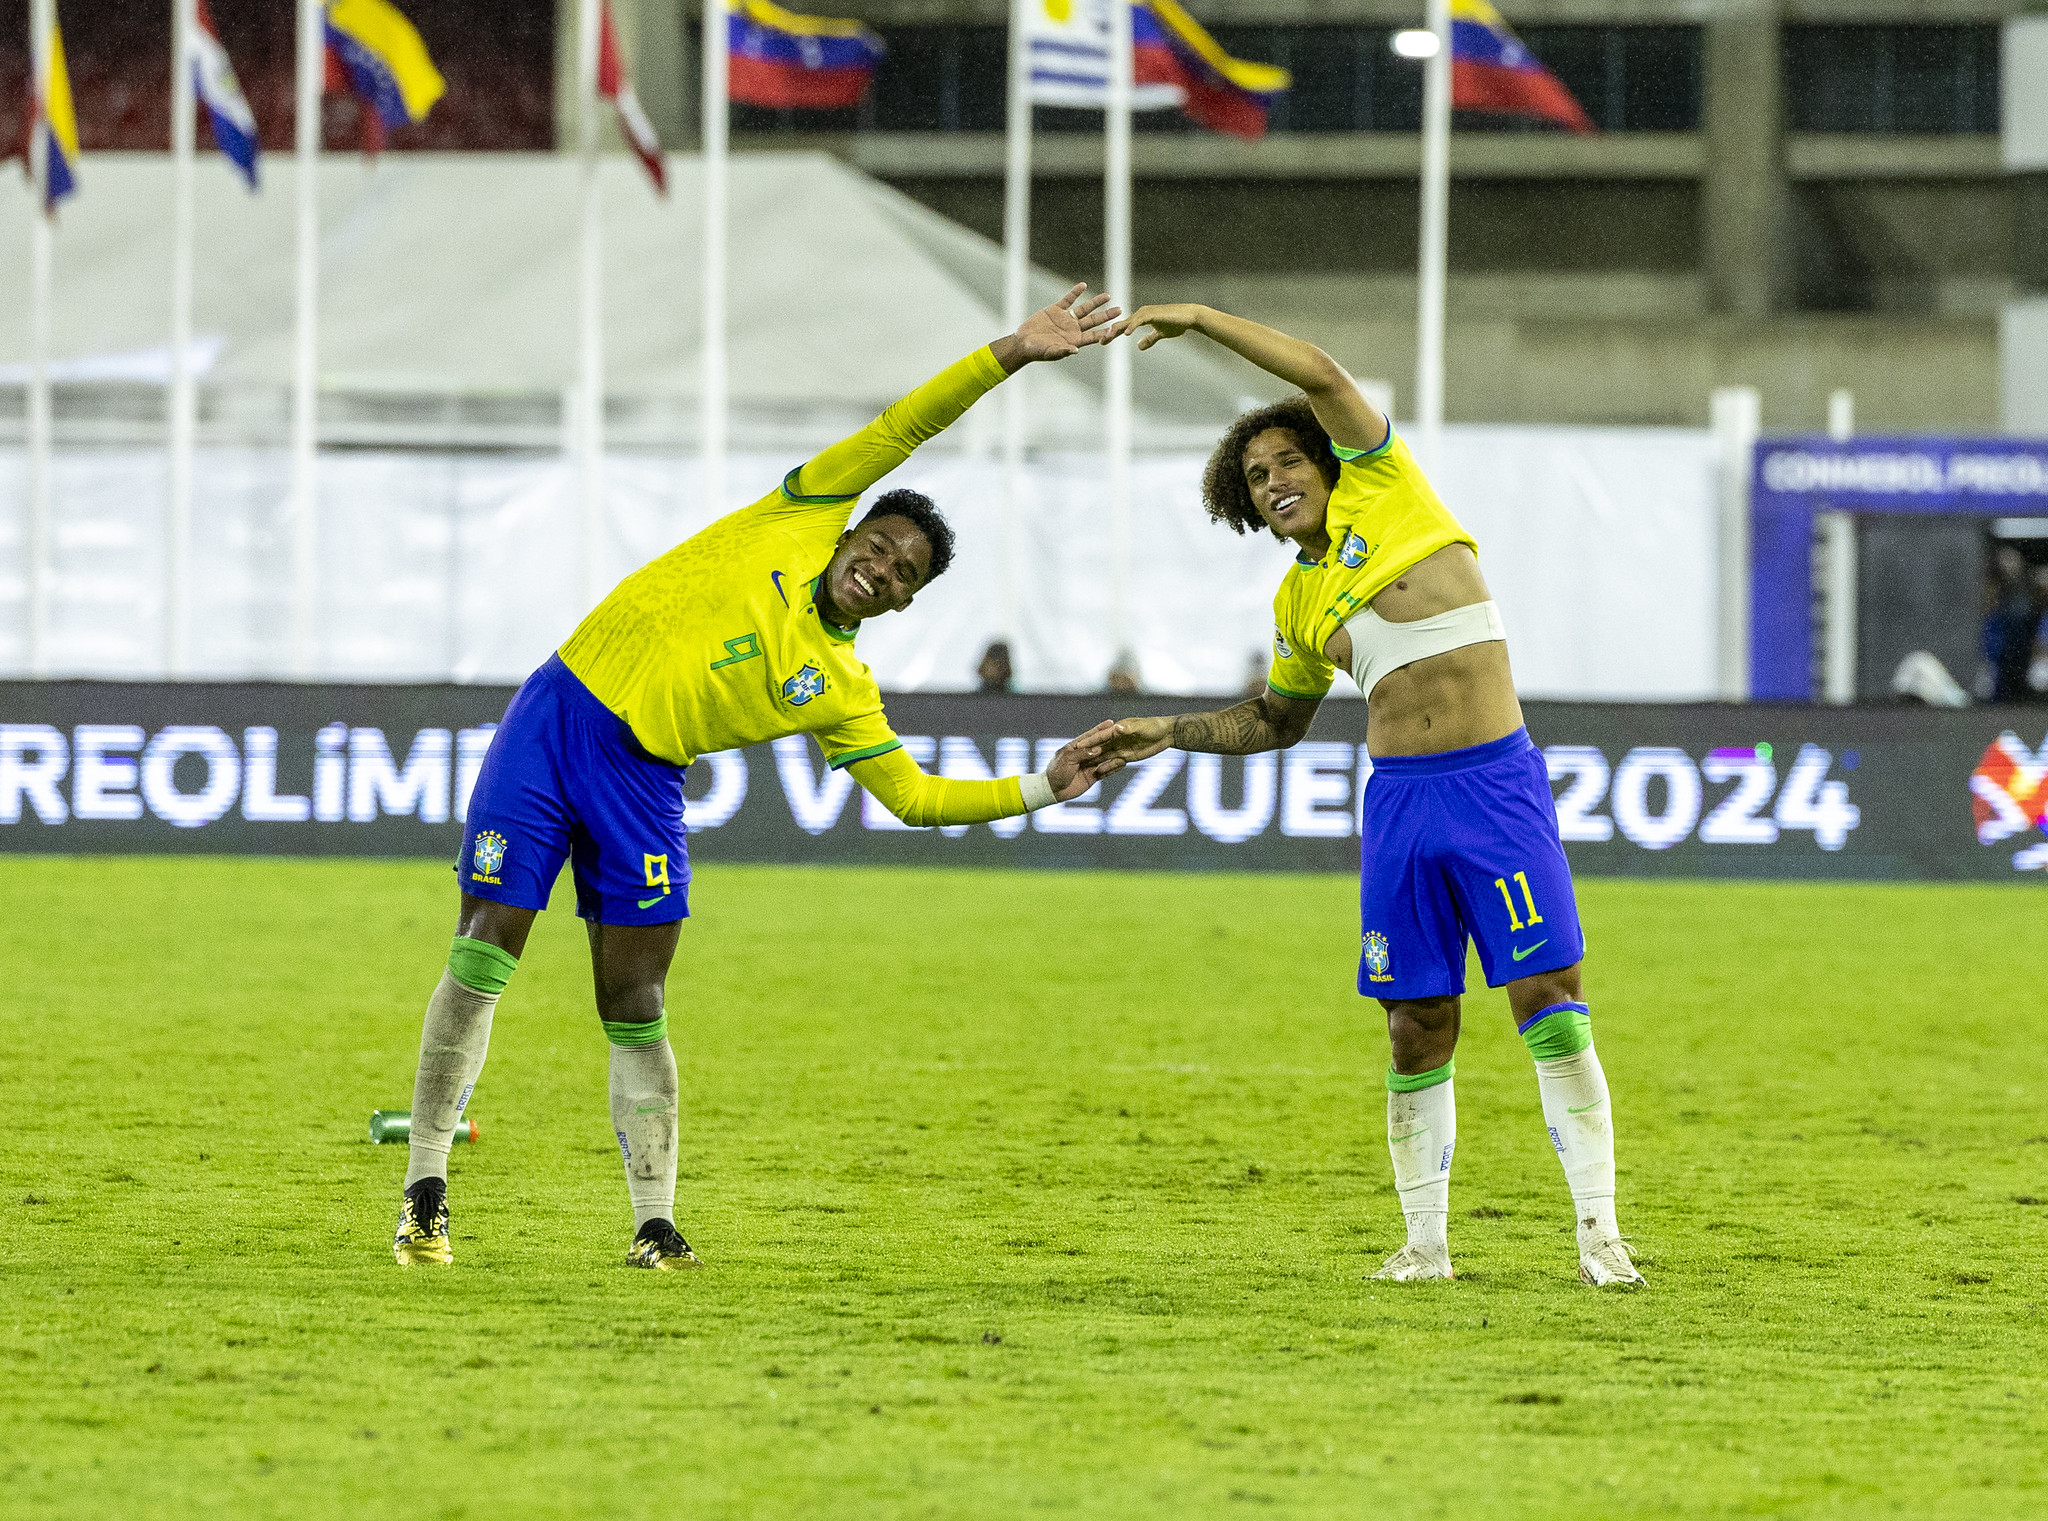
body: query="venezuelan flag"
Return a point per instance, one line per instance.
(384, 59)
(815, 63)
(60, 126)
(1168, 46)
(1491, 70)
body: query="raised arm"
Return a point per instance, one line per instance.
(920, 799)
(1267, 722)
(1351, 421)
(846, 469)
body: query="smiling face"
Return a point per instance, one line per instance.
(1286, 487)
(877, 568)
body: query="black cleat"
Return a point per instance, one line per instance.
(659, 1244)
(423, 1225)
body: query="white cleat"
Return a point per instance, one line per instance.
(1417, 1264)
(1608, 1262)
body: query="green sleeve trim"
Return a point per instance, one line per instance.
(840, 762)
(480, 966)
(1563, 1031)
(1398, 1082)
(790, 494)
(1299, 696)
(1352, 456)
(653, 1034)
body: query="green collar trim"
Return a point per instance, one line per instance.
(832, 630)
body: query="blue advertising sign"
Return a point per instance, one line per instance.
(1794, 478)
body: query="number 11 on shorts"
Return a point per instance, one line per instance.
(1528, 898)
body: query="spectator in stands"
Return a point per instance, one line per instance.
(1123, 676)
(994, 672)
(2010, 620)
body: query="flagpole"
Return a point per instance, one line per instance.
(1117, 277)
(42, 18)
(714, 403)
(590, 383)
(1436, 193)
(1016, 294)
(178, 519)
(305, 500)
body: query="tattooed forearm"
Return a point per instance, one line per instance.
(1242, 730)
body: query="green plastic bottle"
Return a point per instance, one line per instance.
(396, 1125)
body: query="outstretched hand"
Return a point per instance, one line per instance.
(1165, 321)
(1066, 327)
(1134, 739)
(1083, 762)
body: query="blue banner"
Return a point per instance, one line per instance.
(1794, 478)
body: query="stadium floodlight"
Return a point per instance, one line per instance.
(1415, 43)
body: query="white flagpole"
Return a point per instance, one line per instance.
(713, 416)
(305, 337)
(178, 520)
(1016, 295)
(42, 17)
(590, 381)
(1117, 277)
(1436, 194)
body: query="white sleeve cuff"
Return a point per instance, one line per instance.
(1038, 792)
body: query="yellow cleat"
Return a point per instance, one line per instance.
(660, 1245)
(423, 1225)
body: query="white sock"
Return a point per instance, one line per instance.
(453, 1042)
(1581, 1121)
(644, 1116)
(1422, 1133)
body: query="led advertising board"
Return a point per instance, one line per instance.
(1648, 789)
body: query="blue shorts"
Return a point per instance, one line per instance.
(1462, 844)
(565, 778)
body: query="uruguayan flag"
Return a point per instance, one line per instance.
(234, 124)
(1069, 42)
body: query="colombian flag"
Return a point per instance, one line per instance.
(778, 58)
(1168, 46)
(1492, 71)
(59, 124)
(379, 55)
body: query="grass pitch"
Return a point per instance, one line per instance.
(1019, 1193)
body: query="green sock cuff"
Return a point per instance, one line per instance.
(480, 966)
(1563, 1029)
(1400, 1082)
(637, 1035)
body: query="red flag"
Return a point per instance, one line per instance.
(614, 85)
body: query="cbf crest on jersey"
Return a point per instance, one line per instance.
(803, 686)
(1354, 553)
(1376, 958)
(489, 854)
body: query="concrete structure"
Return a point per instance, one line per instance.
(2023, 331)
(1619, 278)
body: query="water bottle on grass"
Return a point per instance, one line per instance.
(396, 1125)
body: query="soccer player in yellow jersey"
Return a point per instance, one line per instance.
(1459, 833)
(744, 632)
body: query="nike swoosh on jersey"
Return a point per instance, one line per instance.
(776, 577)
(1532, 950)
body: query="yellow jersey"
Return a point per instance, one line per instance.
(1384, 517)
(719, 643)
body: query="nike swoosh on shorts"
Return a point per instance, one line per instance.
(1519, 955)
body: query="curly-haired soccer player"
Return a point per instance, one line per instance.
(1460, 836)
(743, 633)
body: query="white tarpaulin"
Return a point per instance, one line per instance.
(1599, 545)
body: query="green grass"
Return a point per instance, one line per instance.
(1019, 1193)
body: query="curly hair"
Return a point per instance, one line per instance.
(1224, 492)
(924, 513)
